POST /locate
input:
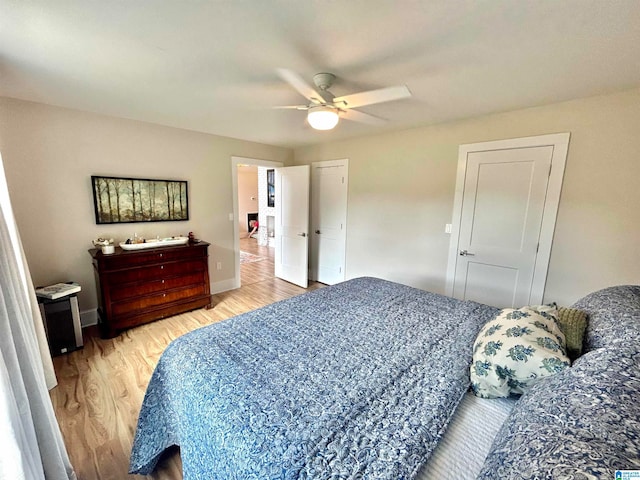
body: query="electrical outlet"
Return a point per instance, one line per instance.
(219, 266)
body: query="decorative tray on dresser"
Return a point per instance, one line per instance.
(139, 286)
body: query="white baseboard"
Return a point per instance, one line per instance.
(223, 286)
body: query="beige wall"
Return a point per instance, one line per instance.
(401, 189)
(247, 196)
(50, 154)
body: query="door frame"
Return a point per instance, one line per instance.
(560, 144)
(235, 162)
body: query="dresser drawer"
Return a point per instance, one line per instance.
(153, 272)
(132, 290)
(132, 258)
(134, 305)
(157, 313)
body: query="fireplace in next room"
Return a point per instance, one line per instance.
(252, 219)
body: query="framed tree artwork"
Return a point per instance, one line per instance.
(129, 200)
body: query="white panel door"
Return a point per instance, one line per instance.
(292, 224)
(502, 212)
(329, 220)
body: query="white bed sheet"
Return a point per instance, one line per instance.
(466, 442)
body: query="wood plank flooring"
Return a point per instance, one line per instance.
(256, 271)
(101, 387)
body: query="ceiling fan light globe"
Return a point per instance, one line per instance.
(323, 118)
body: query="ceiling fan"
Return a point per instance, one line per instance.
(324, 109)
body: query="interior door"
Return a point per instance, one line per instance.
(292, 224)
(494, 238)
(329, 220)
(501, 218)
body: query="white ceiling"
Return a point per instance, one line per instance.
(210, 66)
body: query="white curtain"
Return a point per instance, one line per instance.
(32, 445)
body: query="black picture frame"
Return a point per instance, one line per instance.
(137, 200)
(271, 188)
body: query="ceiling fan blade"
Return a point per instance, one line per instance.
(292, 107)
(357, 116)
(297, 82)
(372, 96)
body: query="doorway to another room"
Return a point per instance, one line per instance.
(254, 220)
(272, 219)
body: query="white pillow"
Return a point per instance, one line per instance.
(516, 349)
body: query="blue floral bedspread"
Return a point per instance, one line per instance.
(614, 314)
(357, 380)
(582, 423)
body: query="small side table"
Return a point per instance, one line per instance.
(61, 319)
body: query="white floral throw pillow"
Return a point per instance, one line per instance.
(516, 349)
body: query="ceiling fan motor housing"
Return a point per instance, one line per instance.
(324, 80)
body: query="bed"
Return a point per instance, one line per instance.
(365, 379)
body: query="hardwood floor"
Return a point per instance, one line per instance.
(101, 387)
(259, 271)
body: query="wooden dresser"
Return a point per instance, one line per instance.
(139, 286)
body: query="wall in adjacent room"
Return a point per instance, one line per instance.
(401, 190)
(50, 154)
(247, 196)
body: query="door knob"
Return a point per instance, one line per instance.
(302, 234)
(464, 253)
(318, 232)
